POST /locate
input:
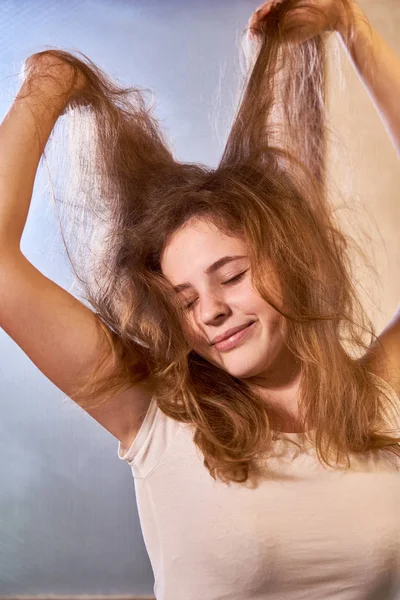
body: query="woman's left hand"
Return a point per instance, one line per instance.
(302, 23)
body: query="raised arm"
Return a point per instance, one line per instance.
(62, 337)
(24, 133)
(376, 63)
(378, 67)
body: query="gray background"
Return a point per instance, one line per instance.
(68, 516)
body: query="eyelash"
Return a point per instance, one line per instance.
(233, 280)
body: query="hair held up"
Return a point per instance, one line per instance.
(124, 195)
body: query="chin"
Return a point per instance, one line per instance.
(243, 373)
(244, 369)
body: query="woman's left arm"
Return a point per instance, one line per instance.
(379, 69)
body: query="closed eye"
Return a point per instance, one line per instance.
(233, 280)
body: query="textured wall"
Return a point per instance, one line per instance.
(68, 517)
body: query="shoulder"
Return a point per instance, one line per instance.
(383, 356)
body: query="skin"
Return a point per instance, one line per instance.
(215, 305)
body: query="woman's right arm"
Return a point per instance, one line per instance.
(24, 132)
(56, 331)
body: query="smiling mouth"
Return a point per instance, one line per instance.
(230, 333)
(234, 340)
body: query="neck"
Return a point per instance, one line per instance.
(279, 385)
(282, 374)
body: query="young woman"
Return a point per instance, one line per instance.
(225, 348)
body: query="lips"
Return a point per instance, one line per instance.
(229, 333)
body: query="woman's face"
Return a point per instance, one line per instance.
(211, 274)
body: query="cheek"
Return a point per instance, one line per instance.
(196, 340)
(192, 334)
(264, 308)
(255, 304)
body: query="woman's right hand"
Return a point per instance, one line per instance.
(48, 72)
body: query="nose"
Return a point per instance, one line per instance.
(213, 309)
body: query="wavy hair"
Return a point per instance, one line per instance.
(125, 197)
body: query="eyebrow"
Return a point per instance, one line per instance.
(211, 269)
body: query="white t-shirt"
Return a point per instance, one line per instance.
(311, 533)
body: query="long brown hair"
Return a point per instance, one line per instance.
(125, 195)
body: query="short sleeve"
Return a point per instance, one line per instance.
(151, 443)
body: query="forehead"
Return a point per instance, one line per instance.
(195, 246)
